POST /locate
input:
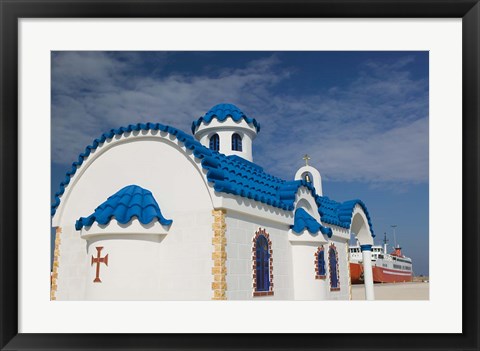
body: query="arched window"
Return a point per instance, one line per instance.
(215, 142)
(236, 142)
(320, 271)
(262, 269)
(333, 263)
(262, 264)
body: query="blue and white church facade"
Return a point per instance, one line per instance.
(149, 212)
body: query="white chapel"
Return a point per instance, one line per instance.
(149, 212)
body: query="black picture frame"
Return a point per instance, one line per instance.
(12, 11)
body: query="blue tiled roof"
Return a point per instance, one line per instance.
(340, 213)
(303, 220)
(233, 175)
(221, 112)
(130, 201)
(238, 177)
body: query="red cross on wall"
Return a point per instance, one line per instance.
(99, 260)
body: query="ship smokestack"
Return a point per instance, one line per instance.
(398, 251)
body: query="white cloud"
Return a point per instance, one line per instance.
(373, 130)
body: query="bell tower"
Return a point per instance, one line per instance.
(226, 129)
(311, 175)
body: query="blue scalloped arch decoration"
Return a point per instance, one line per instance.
(222, 112)
(340, 214)
(130, 201)
(303, 220)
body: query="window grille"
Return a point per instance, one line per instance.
(236, 142)
(333, 263)
(215, 142)
(262, 264)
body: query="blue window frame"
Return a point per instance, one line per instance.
(236, 142)
(262, 264)
(321, 263)
(332, 259)
(215, 142)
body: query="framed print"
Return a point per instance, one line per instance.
(239, 175)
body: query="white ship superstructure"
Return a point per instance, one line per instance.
(387, 267)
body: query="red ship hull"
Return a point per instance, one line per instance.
(380, 275)
(356, 273)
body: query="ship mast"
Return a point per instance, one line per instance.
(394, 236)
(385, 241)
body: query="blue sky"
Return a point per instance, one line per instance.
(361, 116)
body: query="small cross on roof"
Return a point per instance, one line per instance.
(306, 158)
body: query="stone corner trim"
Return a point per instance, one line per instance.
(349, 276)
(219, 255)
(56, 255)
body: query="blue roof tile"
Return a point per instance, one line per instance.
(340, 214)
(130, 201)
(222, 112)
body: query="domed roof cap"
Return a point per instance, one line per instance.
(222, 112)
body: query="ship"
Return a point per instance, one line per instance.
(387, 267)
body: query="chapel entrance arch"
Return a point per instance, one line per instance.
(361, 231)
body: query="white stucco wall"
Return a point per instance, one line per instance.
(72, 267)
(293, 254)
(240, 232)
(293, 261)
(304, 245)
(159, 165)
(307, 287)
(344, 292)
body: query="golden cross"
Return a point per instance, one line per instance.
(306, 158)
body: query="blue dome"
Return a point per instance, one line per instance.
(221, 112)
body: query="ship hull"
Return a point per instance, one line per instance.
(380, 274)
(385, 275)
(356, 273)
